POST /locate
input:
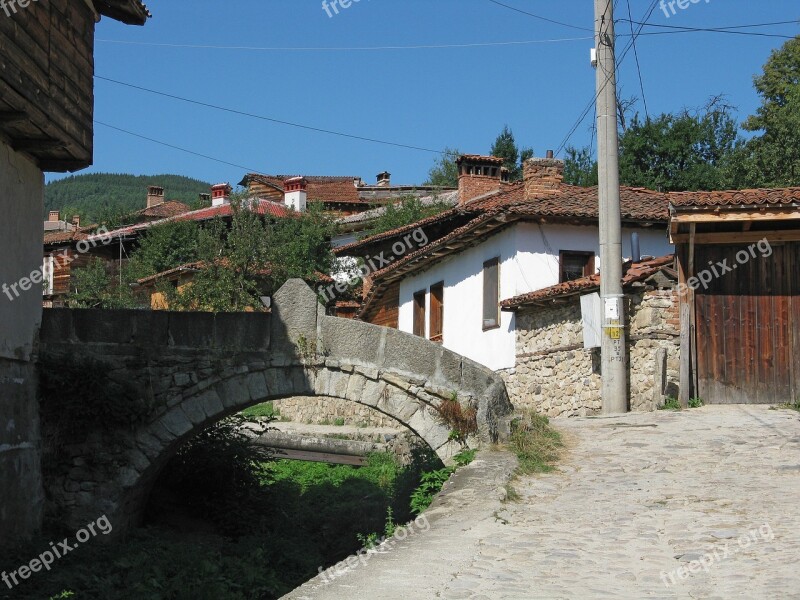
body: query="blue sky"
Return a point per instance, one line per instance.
(432, 98)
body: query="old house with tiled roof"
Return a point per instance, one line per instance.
(501, 240)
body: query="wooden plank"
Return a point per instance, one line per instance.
(324, 457)
(765, 331)
(793, 256)
(749, 237)
(770, 214)
(685, 314)
(693, 313)
(780, 265)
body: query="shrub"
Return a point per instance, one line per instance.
(430, 485)
(462, 422)
(671, 403)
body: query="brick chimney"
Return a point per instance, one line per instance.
(295, 193)
(221, 194)
(542, 176)
(478, 176)
(384, 179)
(53, 216)
(155, 196)
(205, 199)
(76, 221)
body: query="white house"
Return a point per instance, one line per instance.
(501, 241)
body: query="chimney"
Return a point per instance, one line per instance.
(542, 176)
(205, 199)
(53, 216)
(155, 196)
(221, 194)
(478, 176)
(76, 221)
(384, 179)
(295, 194)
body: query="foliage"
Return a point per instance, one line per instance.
(266, 409)
(505, 147)
(462, 422)
(339, 421)
(164, 247)
(93, 286)
(536, 444)
(444, 172)
(580, 168)
(773, 158)
(409, 209)
(371, 540)
(671, 403)
(463, 458)
(681, 151)
(430, 485)
(105, 197)
(218, 475)
(696, 402)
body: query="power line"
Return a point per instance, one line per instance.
(638, 66)
(541, 18)
(725, 28)
(344, 48)
(269, 119)
(174, 147)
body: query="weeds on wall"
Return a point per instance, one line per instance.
(462, 422)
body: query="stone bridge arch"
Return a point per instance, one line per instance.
(195, 369)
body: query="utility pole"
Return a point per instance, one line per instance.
(614, 360)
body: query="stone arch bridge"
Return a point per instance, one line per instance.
(197, 368)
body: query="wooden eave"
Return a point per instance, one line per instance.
(784, 218)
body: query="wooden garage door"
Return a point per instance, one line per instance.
(748, 326)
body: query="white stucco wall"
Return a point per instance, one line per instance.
(528, 262)
(22, 200)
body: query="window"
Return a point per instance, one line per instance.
(574, 265)
(437, 312)
(491, 294)
(419, 313)
(48, 269)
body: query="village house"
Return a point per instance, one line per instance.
(46, 112)
(502, 240)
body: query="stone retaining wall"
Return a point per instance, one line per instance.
(556, 376)
(325, 411)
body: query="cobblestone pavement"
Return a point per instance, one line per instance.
(696, 504)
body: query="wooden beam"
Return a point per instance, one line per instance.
(34, 145)
(692, 314)
(736, 237)
(767, 214)
(13, 116)
(685, 364)
(747, 225)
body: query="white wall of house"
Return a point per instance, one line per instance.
(529, 261)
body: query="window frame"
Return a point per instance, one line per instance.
(589, 263)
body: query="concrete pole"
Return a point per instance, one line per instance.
(614, 361)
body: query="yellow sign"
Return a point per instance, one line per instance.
(615, 333)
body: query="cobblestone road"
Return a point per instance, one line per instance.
(697, 504)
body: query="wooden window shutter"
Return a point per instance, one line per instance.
(419, 313)
(437, 312)
(491, 294)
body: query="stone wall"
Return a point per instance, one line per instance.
(556, 376)
(320, 411)
(21, 198)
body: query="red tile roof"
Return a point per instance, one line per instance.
(762, 197)
(635, 273)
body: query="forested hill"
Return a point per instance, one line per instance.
(103, 196)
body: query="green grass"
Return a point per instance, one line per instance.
(267, 409)
(671, 403)
(339, 421)
(696, 403)
(536, 444)
(789, 406)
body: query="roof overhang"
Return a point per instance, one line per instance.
(130, 12)
(734, 224)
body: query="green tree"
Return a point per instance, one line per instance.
(444, 172)
(774, 156)
(165, 246)
(409, 210)
(579, 167)
(681, 151)
(94, 286)
(505, 147)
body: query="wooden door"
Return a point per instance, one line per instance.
(748, 325)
